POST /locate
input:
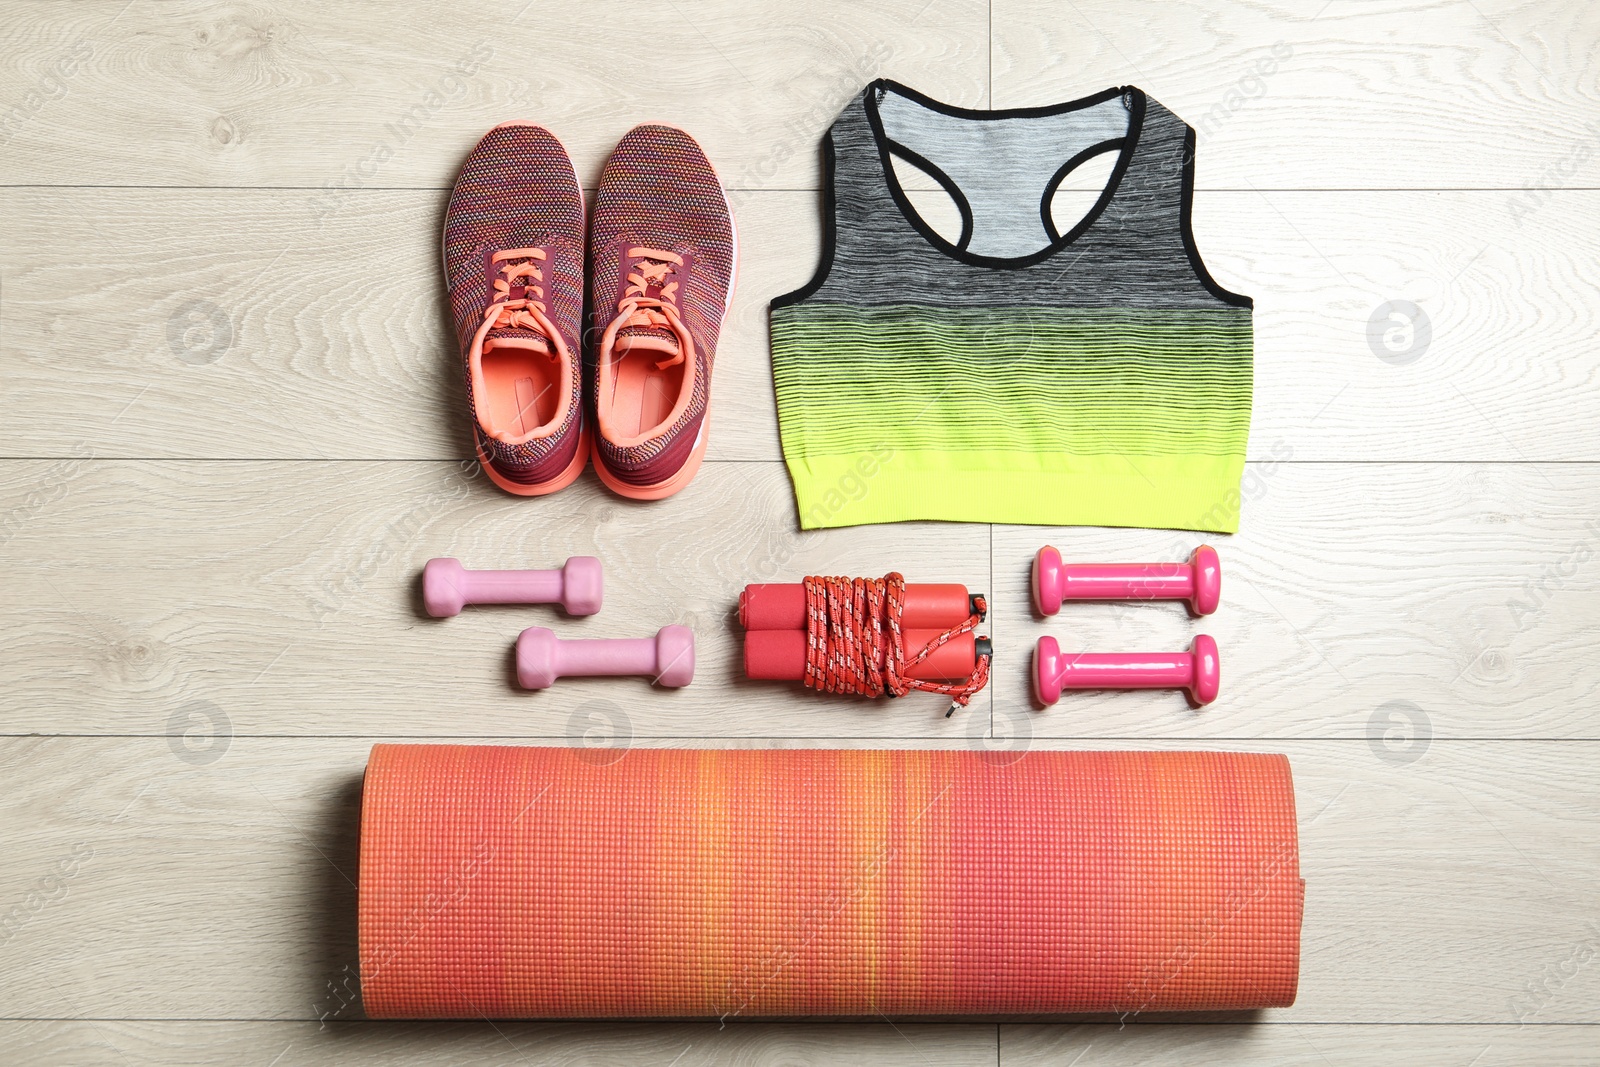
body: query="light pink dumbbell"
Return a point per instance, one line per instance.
(1199, 581)
(542, 657)
(447, 586)
(1198, 670)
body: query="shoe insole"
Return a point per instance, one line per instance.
(523, 390)
(642, 395)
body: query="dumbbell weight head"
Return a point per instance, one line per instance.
(1047, 670)
(674, 656)
(1207, 670)
(583, 583)
(444, 587)
(1046, 582)
(1207, 580)
(536, 658)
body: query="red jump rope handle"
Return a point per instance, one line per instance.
(1199, 581)
(783, 607)
(1199, 670)
(780, 655)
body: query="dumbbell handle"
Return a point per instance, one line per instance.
(513, 587)
(447, 586)
(1198, 670)
(667, 658)
(592, 657)
(1198, 581)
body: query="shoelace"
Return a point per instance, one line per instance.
(638, 308)
(853, 623)
(527, 311)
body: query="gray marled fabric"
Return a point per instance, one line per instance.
(1133, 252)
(1002, 168)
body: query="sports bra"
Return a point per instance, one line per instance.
(1018, 373)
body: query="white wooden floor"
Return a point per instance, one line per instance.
(231, 425)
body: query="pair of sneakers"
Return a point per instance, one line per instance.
(658, 253)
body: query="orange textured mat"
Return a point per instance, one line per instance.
(514, 882)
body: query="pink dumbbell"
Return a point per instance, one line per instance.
(447, 586)
(542, 657)
(1199, 581)
(1197, 670)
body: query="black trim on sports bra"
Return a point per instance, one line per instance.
(1187, 229)
(924, 164)
(1136, 105)
(1061, 175)
(829, 229)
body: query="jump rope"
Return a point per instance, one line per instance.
(855, 642)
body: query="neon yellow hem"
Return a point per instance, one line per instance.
(1178, 492)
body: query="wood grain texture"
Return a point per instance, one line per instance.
(334, 97)
(1289, 94)
(239, 325)
(200, 1044)
(1105, 1045)
(294, 93)
(1467, 593)
(483, 1044)
(220, 255)
(285, 595)
(1444, 890)
(235, 324)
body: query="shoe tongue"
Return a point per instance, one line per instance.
(515, 337)
(646, 339)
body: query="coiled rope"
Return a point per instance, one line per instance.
(853, 625)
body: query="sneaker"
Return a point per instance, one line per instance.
(513, 259)
(662, 257)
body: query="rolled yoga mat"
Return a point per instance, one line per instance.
(509, 882)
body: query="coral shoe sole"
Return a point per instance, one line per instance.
(661, 490)
(580, 460)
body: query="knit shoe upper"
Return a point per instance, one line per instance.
(513, 260)
(661, 265)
